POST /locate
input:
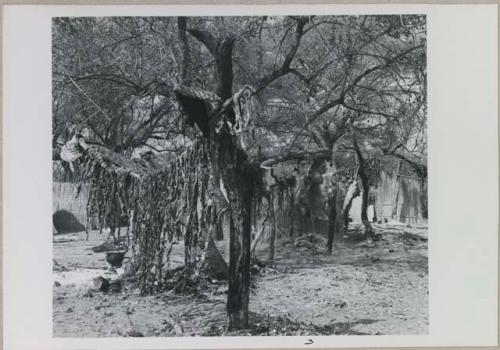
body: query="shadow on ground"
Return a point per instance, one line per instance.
(396, 248)
(265, 325)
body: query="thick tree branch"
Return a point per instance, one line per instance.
(364, 111)
(221, 50)
(315, 116)
(181, 28)
(289, 56)
(400, 152)
(341, 99)
(388, 62)
(206, 39)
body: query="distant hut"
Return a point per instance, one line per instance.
(401, 195)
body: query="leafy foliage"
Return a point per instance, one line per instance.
(114, 76)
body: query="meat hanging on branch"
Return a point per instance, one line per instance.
(236, 178)
(162, 205)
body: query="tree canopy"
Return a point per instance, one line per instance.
(113, 78)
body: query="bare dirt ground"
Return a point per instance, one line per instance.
(362, 288)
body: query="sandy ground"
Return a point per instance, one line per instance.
(362, 288)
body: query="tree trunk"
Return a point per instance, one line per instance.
(292, 213)
(339, 223)
(364, 206)
(395, 191)
(332, 216)
(365, 188)
(345, 214)
(273, 227)
(236, 177)
(237, 182)
(313, 194)
(239, 260)
(352, 192)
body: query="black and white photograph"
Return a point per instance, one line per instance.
(231, 176)
(239, 176)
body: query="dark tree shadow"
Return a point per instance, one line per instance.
(264, 325)
(345, 328)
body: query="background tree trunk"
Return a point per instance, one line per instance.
(364, 206)
(365, 188)
(339, 222)
(352, 192)
(332, 216)
(292, 213)
(272, 238)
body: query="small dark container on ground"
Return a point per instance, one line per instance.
(115, 258)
